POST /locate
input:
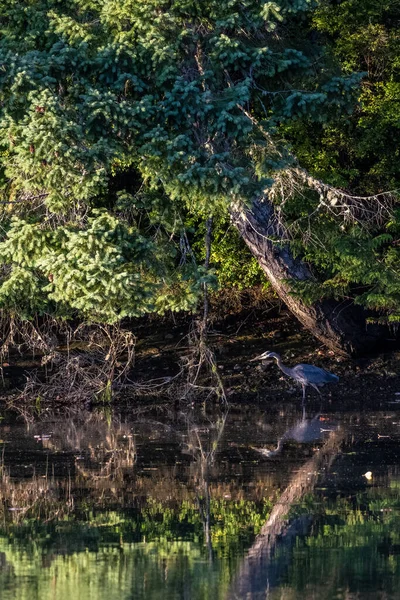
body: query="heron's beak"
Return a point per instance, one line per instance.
(261, 357)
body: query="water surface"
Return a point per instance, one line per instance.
(258, 502)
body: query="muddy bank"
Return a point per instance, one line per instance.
(238, 338)
(235, 340)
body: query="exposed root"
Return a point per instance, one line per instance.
(202, 379)
(198, 378)
(88, 367)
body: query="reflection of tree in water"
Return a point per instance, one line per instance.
(94, 448)
(202, 444)
(91, 461)
(168, 526)
(104, 448)
(168, 515)
(38, 498)
(259, 571)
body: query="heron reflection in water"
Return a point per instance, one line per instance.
(305, 431)
(303, 373)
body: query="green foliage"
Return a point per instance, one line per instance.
(95, 272)
(359, 151)
(352, 261)
(102, 99)
(126, 80)
(233, 264)
(146, 111)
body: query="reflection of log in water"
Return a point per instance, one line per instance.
(261, 569)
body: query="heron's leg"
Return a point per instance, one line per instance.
(316, 388)
(304, 391)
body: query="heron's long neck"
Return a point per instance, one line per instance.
(282, 367)
(279, 447)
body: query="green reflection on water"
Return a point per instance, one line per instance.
(104, 559)
(185, 530)
(161, 569)
(352, 550)
(353, 547)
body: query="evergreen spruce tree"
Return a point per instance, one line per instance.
(121, 120)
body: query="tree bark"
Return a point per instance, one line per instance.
(339, 325)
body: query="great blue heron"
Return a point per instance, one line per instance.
(304, 374)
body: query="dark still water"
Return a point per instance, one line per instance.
(260, 502)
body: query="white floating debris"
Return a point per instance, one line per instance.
(368, 475)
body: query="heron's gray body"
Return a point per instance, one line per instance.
(303, 373)
(309, 374)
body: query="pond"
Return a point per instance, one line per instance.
(260, 501)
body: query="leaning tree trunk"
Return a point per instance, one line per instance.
(339, 325)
